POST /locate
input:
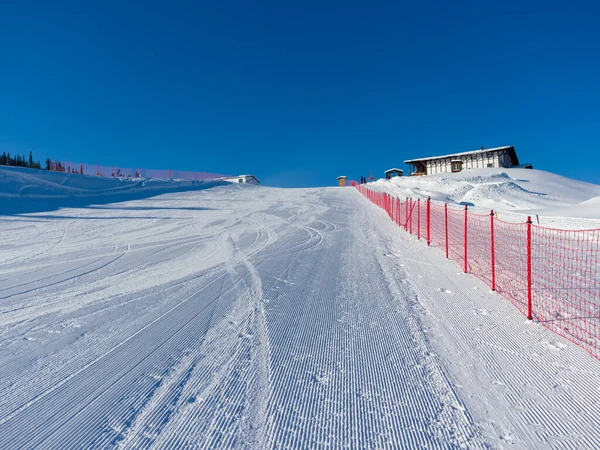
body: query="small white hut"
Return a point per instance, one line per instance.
(247, 179)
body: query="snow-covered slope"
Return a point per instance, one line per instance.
(30, 190)
(504, 190)
(247, 317)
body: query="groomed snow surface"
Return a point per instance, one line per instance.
(252, 317)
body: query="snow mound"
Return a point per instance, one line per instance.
(30, 190)
(503, 190)
(589, 209)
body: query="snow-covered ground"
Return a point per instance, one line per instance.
(557, 201)
(251, 317)
(28, 190)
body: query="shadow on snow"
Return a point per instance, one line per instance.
(24, 205)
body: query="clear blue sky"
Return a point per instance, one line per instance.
(299, 93)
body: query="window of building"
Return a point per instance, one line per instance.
(240, 180)
(490, 165)
(456, 166)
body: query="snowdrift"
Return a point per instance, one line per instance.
(25, 190)
(505, 190)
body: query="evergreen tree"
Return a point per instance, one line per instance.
(30, 159)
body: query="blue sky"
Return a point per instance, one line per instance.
(299, 93)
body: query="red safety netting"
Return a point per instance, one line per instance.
(510, 244)
(414, 217)
(565, 283)
(552, 276)
(438, 226)
(456, 236)
(479, 247)
(128, 172)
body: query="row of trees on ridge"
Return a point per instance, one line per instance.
(19, 161)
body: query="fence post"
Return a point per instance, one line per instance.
(399, 212)
(446, 221)
(428, 221)
(465, 238)
(406, 218)
(419, 219)
(389, 205)
(493, 246)
(529, 307)
(412, 207)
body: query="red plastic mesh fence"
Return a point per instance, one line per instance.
(438, 226)
(414, 217)
(566, 284)
(479, 246)
(456, 235)
(550, 275)
(422, 222)
(511, 262)
(128, 172)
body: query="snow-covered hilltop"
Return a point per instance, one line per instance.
(31, 190)
(512, 192)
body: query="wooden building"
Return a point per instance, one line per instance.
(391, 173)
(475, 159)
(341, 180)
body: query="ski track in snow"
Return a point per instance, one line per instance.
(251, 318)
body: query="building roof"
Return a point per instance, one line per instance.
(241, 176)
(252, 176)
(510, 148)
(341, 176)
(394, 170)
